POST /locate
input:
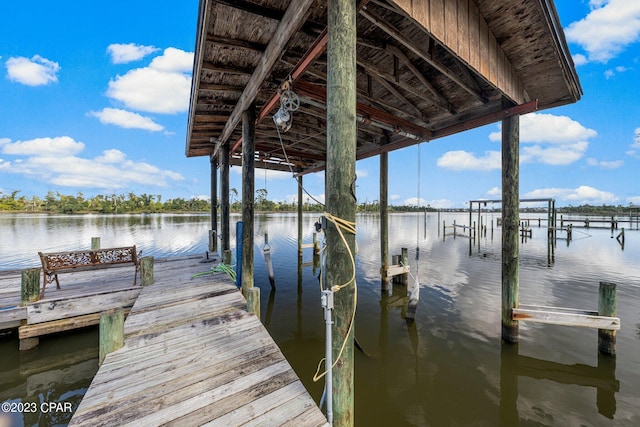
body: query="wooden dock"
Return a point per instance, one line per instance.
(83, 295)
(193, 355)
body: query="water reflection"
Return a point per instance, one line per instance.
(448, 367)
(57, 372)
(514, 365)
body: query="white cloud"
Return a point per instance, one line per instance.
(607, 30)
(635, 146)
(605, 164)
(55, 161)
(111, 156)
(126, 119)
(583, 194)
(173, 61)
(494, 191)
(579, 59)
(53, 147)
(37, 71)
(463, 160)
(362, 173)
(437, 203)
(441, 203)
(124, 53)
(414, 201)
(611, 72)
(557, 140)
(554, 155)
(550, 129)
(162, 87)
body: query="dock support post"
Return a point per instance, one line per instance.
(510, 215)
(316, 245)
(253, 301)
(95, 243)
(341, 200)
(224, 198)
(607, 305)
(227, 257)
(146, 270)
(239, 252)
(213, 232)
(111, 332)
(248, 189)
(470, 216)
(384, 220)
(300, 216)
(30, 286)
(404, 260)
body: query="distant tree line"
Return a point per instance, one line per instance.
(112, 203)
(150, 203)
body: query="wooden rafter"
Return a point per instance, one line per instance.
(293, 18)
(425, 56)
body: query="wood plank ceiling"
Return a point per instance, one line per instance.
(425, 70)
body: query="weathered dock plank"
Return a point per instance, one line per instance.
(62, 308)
(193, 355)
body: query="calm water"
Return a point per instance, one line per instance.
(448, 368)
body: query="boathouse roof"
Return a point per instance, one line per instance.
(425, 69)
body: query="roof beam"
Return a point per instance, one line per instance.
(427, 57)
(293, 18)
(368, 113)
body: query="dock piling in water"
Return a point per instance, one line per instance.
(607, 305)
(111, 332)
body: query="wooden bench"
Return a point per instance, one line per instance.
(66, 262)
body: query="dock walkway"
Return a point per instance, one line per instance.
(193, 355)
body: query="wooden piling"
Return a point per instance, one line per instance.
(224, 198)
(146, 270)
(384, 219)
(248, 188)
(95, 243)
(620, 237)
(227, 257)
(316, 245)
(404, 260)
(300, 216)
(607, 306)
(30, 286)
(341, 201)
(111, 332)
(253, 300)
(510, 219)
(213, 231)
(395, 260)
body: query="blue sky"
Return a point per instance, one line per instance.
(94, 99)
